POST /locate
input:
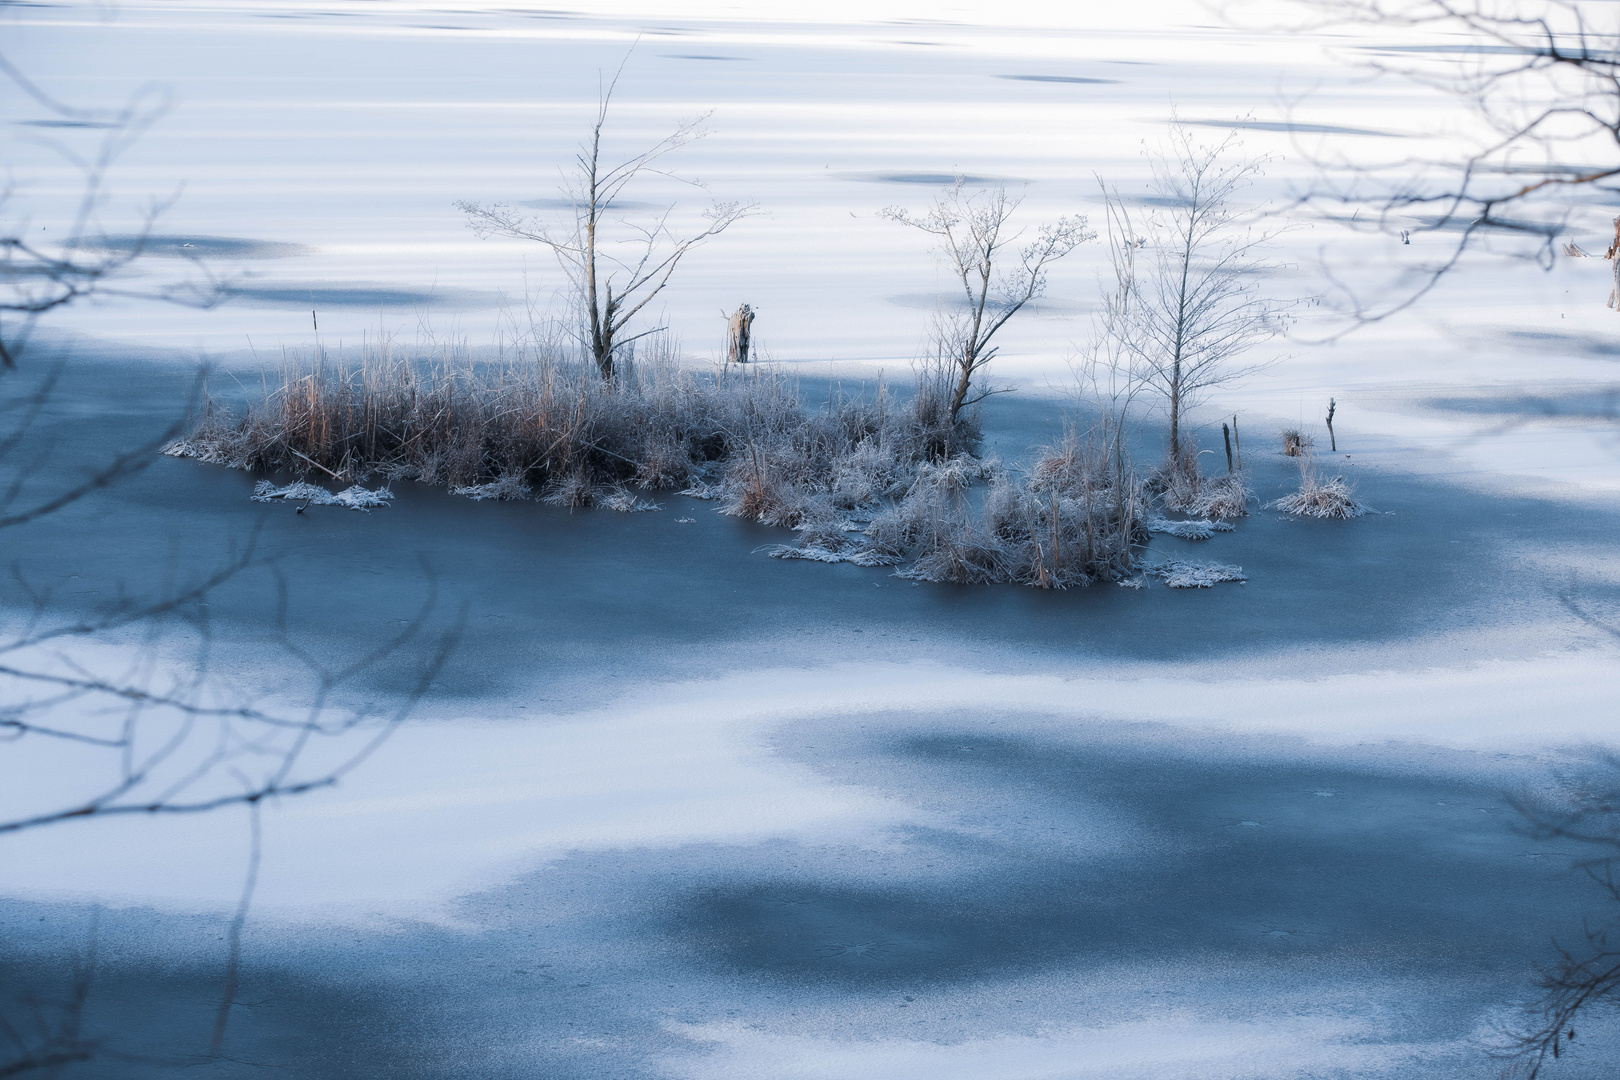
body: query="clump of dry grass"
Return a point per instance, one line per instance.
(1317, 498)
(1180, 487)
(869, 479)
(547, 423)
(1177, 482)
(1223, 498)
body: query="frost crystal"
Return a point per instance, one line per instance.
(353, 498)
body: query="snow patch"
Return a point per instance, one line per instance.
(1194, 529)
(1185, 574)
(814, 553)
(351, 498)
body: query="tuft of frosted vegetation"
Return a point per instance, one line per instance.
(351, 498)
(1332, 500)
(1223, 498)
(545, 423)
(1182, 488)
(504, 489)
(1185, 574)
(625, 501)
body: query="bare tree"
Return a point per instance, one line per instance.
(972, 236)
(1191, 311)
(1542, 81)
(616, 265)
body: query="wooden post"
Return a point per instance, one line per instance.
(1226, 433)
(1333, 443)
(1237, 442)
(738, 331)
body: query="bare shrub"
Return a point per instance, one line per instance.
(1223, 498)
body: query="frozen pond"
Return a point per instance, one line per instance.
(675, 809)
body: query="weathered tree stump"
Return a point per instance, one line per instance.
(739, 330)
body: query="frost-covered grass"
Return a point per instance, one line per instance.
(1072, 518)
(1317, 498)
(873, 479)
(1182, 488)
(547, 426)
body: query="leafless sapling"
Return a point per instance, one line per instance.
(1108, 372)
(977, 243)
(615, 265)
(1197, 306)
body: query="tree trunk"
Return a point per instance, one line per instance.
(960, 396)
(1175, 416)
(602, 332)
